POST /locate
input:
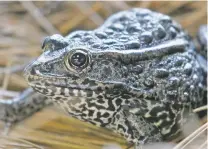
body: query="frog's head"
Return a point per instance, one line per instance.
(68, 69)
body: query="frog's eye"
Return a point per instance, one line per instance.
(77, 59)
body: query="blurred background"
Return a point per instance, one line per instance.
(22, 29)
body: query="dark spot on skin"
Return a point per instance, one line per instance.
(161, 73)
(118, 116)
(99, 88)
(86, 34)
(86, 81)
(126, 96)
(89, 93)
(120, 127)
(101, 101)
(146, 37)
(156, 110)
(100, 97)
(118, 101)
(124, 38)
(58, 98)
(116, 64)
(135, 85)
(107, 71)
(106, 115)
(168, 61)
(149, 82)
(173, 83)
(77, 36)
(176, 106)
(137, 69)
(106, 87)
(132, 45)
(172, 95)
(188, 69)
(87, 38)
(98, 119)
(159, 33)
(30, 79)
(96, 45)
(123, 18)
(92, 83)
(179, 62)
(110, 105)
(133, 28)
(141, 138)
(90, 112)
(101, 35)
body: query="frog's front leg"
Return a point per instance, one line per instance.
(29, 102)
(142, 130)
(134, 127)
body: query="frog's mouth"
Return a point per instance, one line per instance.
(51, 86)
(52, 90)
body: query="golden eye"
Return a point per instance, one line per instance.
(77, 59)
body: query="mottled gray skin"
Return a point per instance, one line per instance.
(19, 108)
(141, 77)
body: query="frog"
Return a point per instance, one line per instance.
(139, 74)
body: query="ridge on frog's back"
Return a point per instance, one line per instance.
(137, 74)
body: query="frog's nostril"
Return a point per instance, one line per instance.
(32, 71)
(28, 68)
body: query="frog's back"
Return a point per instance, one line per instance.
(132, 29)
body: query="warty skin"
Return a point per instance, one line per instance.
(137, 74)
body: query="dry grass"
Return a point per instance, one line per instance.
(25, 24)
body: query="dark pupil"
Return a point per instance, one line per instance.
(78, 59)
